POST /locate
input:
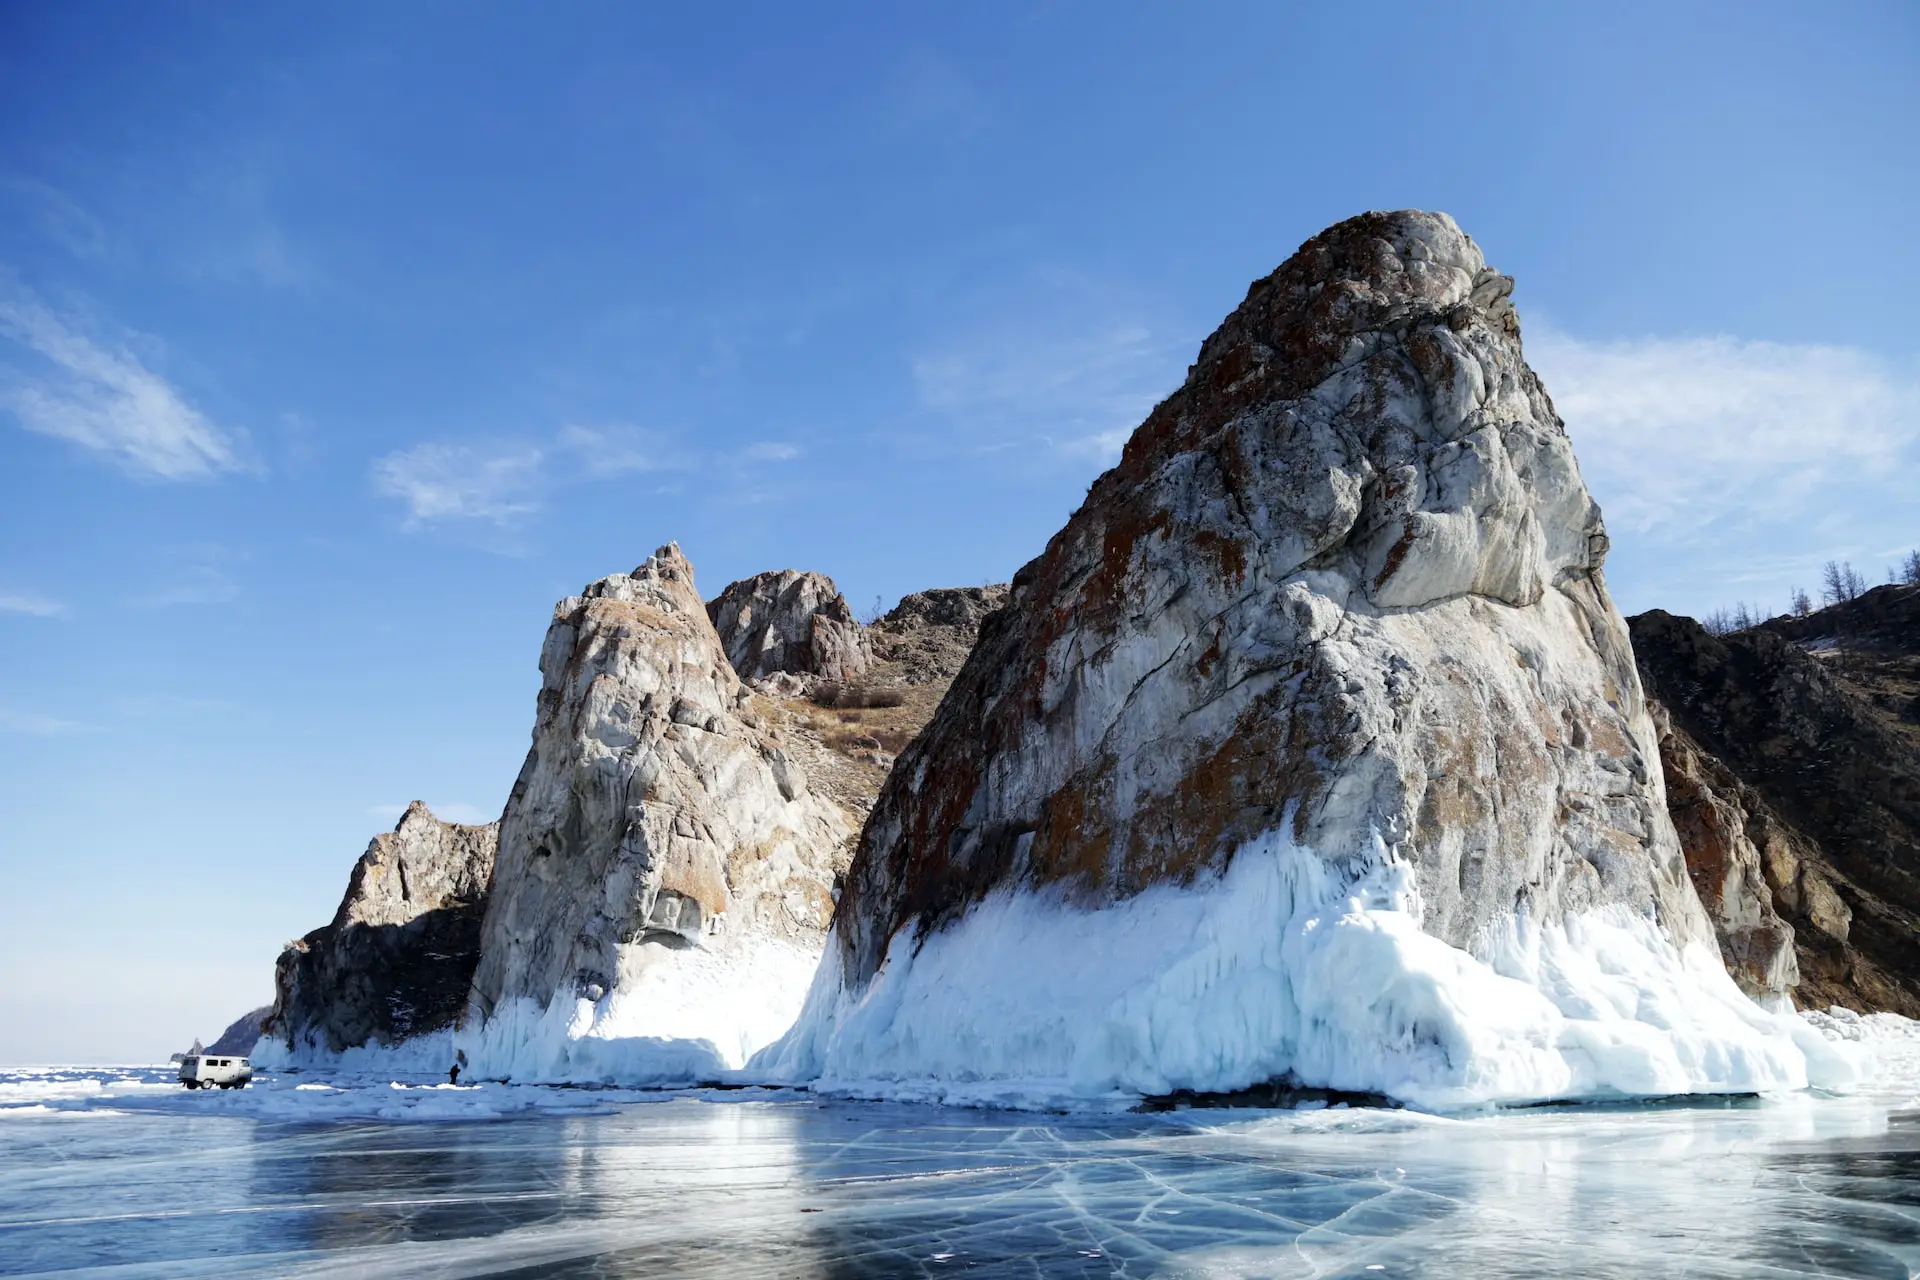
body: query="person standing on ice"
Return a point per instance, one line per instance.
(453, 1074)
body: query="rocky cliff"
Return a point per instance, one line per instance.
(1804, 739)
(793, 622)
(397, 957)
(674, 842)
(664, 866)
(1724, 832)
(242, 1034)
(1311, 746)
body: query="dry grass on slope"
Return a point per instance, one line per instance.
(847, 750)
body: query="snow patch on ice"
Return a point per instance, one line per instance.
(32, 1096)
(1286, 963)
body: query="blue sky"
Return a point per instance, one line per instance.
(337, 342)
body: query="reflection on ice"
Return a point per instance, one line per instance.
(120, 1173)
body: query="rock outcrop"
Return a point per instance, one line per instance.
(1717, 820)
(847, 734)
(397, 958)
(793, 622)
(1348, 570)
(655, 810)
(1815, 768)
(1333, 631)
(243, 1033)
(925, 639)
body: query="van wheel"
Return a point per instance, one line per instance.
(193, 1084)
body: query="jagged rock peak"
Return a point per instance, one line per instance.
(1317, 582)
(421, 865)
(957, 607)
(397, 958)
(663, 580)
(790, 621)
(928, 635)
(1326, 660)
(652, 805)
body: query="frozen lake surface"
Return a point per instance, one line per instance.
(122, 1173)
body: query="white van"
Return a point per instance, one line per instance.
(206, 1070)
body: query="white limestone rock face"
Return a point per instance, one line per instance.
(663, 864)
(1339, 606)
(792, 622)
(398, 956)
(423, 864)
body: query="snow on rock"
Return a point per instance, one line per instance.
(792, 622)
(1313, 744)
(665, 874)
(674, 1016)
(1284, 965)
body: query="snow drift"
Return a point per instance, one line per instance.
(1284, 966)
(676, 1016)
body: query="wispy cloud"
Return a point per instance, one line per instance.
(263, 254)
(604, 452)
(1081, 395)
(239, 234)
(34, 724)
(170, 706)
(927, 96)
(456, 482)
(1050, 361)
(33, 605)
(1731, 469)
(1680, 433)
(202, 584)
(770, 451)
(103, 398)
(57, 215)
(503, 484)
